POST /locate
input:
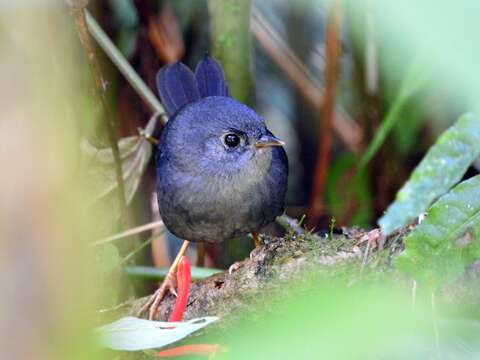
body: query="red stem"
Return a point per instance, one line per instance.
(183, 285)
(332, 45)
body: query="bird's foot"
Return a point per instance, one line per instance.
(255, 252)
(374, 239)
(239, 264)
(168, 286)
(256, 239)
(235, 266)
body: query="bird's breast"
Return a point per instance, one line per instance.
(202, 206)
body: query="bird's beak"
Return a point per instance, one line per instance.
(267, 141)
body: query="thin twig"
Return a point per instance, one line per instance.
(78, 12)
(435, 324)
(124, 67)
(130, 232)
(414, 294)
(332, 65)
(365, 257)
(139, 248)
(280, 53)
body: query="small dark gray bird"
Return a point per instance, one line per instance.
(221, 173)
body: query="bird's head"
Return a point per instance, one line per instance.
(208, 131)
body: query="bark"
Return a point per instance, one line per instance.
(269, 273)
(270, 266)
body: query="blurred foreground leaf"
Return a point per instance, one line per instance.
(331, 319)
(135, 153)
(108, 258)
(131, 333)
(438, 250)
(443, 166)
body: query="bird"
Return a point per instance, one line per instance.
(221, 174)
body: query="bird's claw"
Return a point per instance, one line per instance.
(168, 286)
(374, 238)
(235, 266)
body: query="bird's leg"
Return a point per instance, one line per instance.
(201, 254)
(256, 240)
(168, 284)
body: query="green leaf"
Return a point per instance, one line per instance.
(149, 272)
(135, 153)
(438, 250)
(443, 166)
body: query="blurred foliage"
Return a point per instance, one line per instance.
(332, 319)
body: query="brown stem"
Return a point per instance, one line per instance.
(332, 45)
(78, 11)
(282, 55)
(200, 254)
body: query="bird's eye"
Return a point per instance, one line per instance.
(231, 140)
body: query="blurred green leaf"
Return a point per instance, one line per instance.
(438, 250)
(124, 13)
(135, 153)
(126, 18)
(443, 166)
(406, 132)
(149, 272)
(349, 195)
(413, 80)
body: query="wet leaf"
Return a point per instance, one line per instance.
(131, 333)
(443, 166)
(448, 240)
